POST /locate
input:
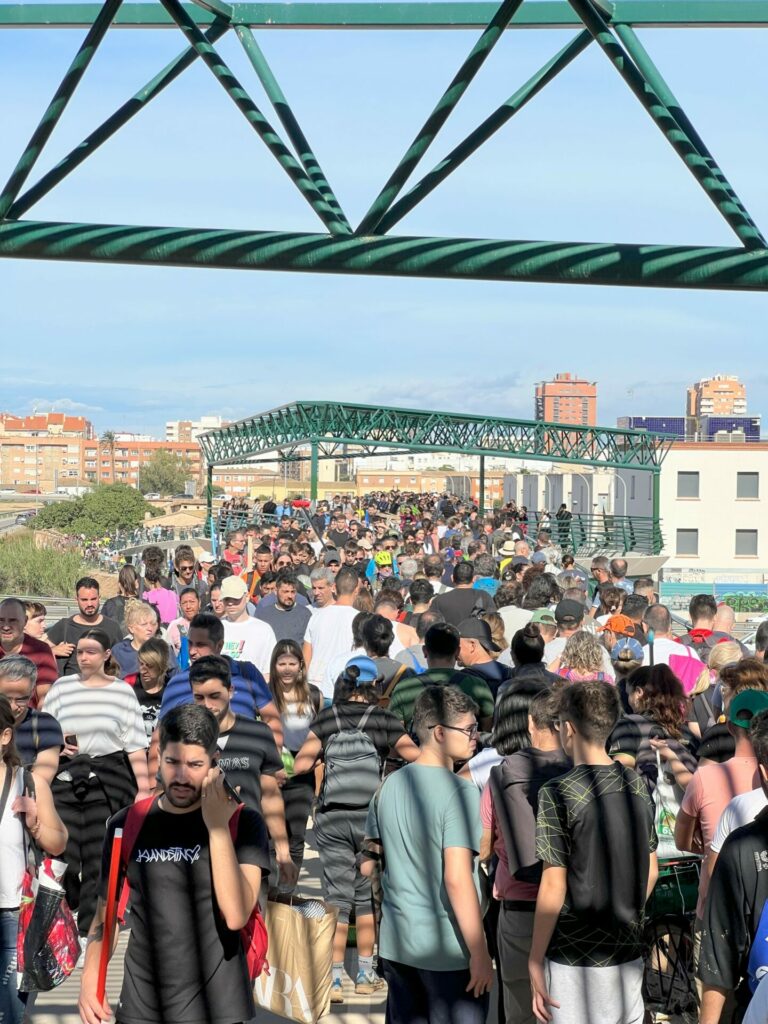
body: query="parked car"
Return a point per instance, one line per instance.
(24, 517)
(152, 497)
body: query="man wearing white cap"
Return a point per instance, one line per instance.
(245, 638)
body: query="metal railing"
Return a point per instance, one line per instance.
(583, 534)
(587, 533)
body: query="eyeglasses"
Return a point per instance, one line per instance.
(470, 731)
(20, 702)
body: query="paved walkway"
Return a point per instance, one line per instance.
(60, 1005)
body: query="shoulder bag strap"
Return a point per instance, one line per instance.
(6, 790)
(364, 720)
(386, 696)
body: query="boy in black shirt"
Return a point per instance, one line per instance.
(192, 889)
(247, 755)
(596, 838)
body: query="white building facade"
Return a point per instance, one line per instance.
(713, 505)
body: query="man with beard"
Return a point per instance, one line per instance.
(65, 633)
(193, 888)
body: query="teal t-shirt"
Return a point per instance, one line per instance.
(421, 811)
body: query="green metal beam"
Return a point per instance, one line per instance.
(288, 119)
(112, 124)
(58, 104)
(731, 211)
(399, 15)
(329, 425)
(442, 111)
(483, 132)
(657, 266)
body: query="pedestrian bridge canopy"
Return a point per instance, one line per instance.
(326, 430)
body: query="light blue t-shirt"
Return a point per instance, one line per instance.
(421, 811)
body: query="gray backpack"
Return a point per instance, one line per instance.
(352, 765)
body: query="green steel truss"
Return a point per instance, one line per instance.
(329, 428)
(368, 248)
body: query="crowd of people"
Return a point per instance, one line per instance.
(500, 751)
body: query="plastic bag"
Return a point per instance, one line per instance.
(48, 944)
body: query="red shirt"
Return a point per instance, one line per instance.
(41, 654)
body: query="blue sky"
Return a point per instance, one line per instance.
(132, 347)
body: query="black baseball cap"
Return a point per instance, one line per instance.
(569, 612)
(477, 629)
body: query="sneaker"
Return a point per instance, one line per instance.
(337, 992)
(367, 984)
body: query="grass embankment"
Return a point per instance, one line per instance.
(26, 569)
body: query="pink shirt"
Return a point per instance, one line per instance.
(166, 602)
(505, 887)
(709, 792)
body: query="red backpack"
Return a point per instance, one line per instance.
(254, 934)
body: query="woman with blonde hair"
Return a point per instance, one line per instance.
(582, 659)
(703, 713)
(141, 621)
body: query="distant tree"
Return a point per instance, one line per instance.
(104, 509)
(164, 473)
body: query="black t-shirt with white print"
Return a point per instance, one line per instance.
(248, 751)
(182, 964)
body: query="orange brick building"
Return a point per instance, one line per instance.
(717, 396)
(567, 399)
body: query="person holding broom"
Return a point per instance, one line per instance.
(193, 888)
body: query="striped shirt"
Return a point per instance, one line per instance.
(105, 719)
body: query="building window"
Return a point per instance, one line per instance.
(747, 485)
(746, 543)
(688, 485)
(687, 542)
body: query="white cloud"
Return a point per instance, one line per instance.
(62, 405)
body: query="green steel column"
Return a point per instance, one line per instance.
(209, 490)
(481, 496)
(58, 104)
(313, 474)
(657, 540)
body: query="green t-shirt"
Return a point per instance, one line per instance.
(407, 691)
(420, 812)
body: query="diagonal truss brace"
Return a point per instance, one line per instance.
(484, 131)
(255, 118)
(731, 209)
(293, 129)
(58, 104)
(445, 105)
(111, 125)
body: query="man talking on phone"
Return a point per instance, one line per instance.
(192, 889)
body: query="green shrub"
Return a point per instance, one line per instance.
(26, 569)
